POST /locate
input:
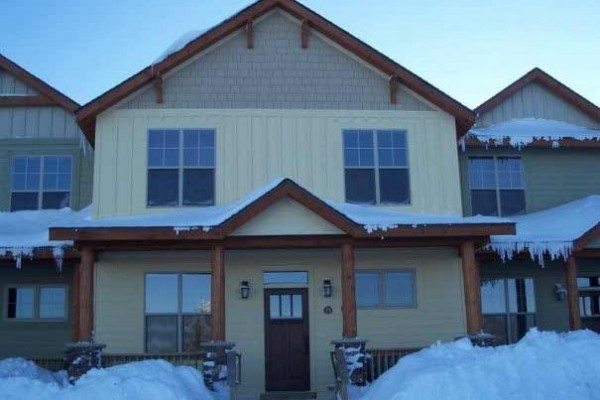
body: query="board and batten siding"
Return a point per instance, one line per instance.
(254, 147)
(119, 302)
(536, 101)
(551, 176)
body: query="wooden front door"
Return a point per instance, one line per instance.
(287, 347)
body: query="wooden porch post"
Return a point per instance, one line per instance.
(218, 293)
(85, 291)
(74, 314)
(471, 279)
(349, 329)
(572, 294)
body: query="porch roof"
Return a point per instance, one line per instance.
(557, 232)
(218, 222)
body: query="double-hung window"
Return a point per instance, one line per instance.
(508, 307)
(589, 301)
(383, 289)
(496, 185)
(181, 167)
(177, 312)
(40, 182)
(34, 302)
(376, 166)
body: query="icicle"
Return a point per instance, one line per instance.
(58, 254)
(18, 260)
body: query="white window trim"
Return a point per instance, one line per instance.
(179, 314)
(376, 167)
(496, 187)
(40, 189)
(181, 167)
(381, 288)
(36, 302)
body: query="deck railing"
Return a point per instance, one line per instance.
(380, 360)
(110, 360)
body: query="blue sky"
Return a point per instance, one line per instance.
(468, 48)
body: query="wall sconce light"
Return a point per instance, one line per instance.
(244, 290)
(560, 292)
(327, 288)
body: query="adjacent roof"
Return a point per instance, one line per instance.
(553, 85)
(86, 115)
(217, 222)
(555, 232)
(48, 94)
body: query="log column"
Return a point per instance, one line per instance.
(572, 294)
(85, 293)
(349, 329)
(218, 293)
(471, 280)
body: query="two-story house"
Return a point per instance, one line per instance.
(277, 183)
(534, 156)
(45, 165)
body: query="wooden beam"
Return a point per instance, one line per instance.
(393, 89)
(250, 33)
(349, 325)
(572, 294)
(218, 293)
(26, 101)
(472, 288)
(158, 89)
(304, 34)
(74, 314)
(85, 289)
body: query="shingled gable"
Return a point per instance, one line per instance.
(86, 115)
(550, 83)
(285, 189)
(48, 96)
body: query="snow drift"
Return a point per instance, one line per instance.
(148, 380)
(542, 366)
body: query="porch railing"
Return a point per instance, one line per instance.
(110, 360)
(380, 360)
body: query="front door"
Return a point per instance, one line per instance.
(286, 340)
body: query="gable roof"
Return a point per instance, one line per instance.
(48, 95)
(86, 115)
(219, 222)
(559, 89)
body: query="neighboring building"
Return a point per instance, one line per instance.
(277, 91)
(536, 147)
(45, 164)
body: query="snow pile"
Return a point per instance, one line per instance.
(149, 380)
(542, 366)
(552, 232)
(521, 132)
(22, 232)
(21, 368)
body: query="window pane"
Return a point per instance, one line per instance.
(394, 186)
(206, 157)
(195, 293)
(161, 334)
(366, 158)
(521, 295)
(161, 293)
(493, 298)
(497, 326)
(55, 200)
(367, 289)
(52, 302)
(18, 181)
(483, 202)
(399, 290)
(360, 186)
(275, 312)
(365, 139)
(23, 201)
(351, 157)
(512, 202)
(350, 139)
(57, 173)
(519, 325)
(198, 187)
(286, 306)
(24, 308)
(163, 187)
(196, 329)
(299, 277)
(297, 306)
(482, 173)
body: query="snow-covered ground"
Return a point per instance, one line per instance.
(542, 366)
(148, 380)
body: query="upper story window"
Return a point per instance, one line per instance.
(496, 185)
(181, 167)
(376, 166)
(40, 182)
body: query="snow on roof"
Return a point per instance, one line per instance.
(552, 231)
(521, 132)
(22, 232)
(179, 44)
